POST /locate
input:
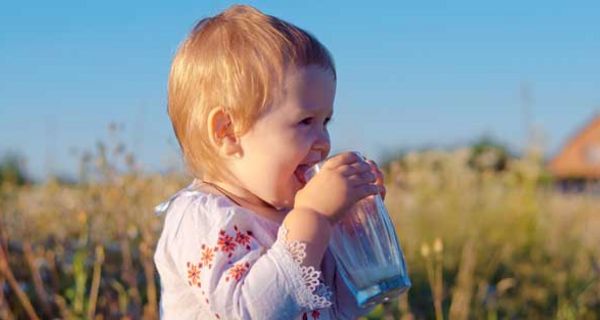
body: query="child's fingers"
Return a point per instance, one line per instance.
(363, 178)
(382, 190)
(342, 159)
(379, 181)
(374, 166)
(364, 190)
(354, 168)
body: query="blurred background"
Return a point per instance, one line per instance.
(484, 116)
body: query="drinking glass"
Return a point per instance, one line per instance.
(366, 247)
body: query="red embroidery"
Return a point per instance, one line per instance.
(193, 274)
(226, 243)
(243, 239)
(315, 314)
(237, 271)
(207, 255)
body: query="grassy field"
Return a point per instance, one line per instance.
(481, 242)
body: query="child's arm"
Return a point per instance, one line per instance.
(341, 182)
(346, 306)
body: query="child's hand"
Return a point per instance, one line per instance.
(341, 182)
(379, 175)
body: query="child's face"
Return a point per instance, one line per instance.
(291, 135)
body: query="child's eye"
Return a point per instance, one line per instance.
(306, 121)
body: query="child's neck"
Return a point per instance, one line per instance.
(245, 199)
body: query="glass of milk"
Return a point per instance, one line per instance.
(368, 252)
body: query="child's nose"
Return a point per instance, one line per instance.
(322, 143)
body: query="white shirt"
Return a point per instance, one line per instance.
(217, 260)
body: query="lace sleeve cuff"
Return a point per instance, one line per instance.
(310, 292)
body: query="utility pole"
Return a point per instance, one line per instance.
(526, 98)
(49, 161)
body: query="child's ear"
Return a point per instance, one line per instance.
(222, 134)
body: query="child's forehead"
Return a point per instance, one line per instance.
(305, 104)
(308, 89)
(294, 75)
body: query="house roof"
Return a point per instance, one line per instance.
(580, 156)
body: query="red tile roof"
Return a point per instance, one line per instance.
(580, 156)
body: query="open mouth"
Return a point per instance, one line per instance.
(300, 171)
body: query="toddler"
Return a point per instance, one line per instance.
(249, 98)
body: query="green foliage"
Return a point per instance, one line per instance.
(12, 170)
(487, 154)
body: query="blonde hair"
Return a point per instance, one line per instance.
(235, 60)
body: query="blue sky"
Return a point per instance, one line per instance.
(415, 74)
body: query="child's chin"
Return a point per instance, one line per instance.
(284, 204)
(288, 201)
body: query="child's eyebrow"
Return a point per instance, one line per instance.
(315, 110)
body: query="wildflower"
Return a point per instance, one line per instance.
(424, 250)
(438, 246)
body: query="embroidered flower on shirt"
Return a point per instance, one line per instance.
(315, 314)
(193, 273)
(207, 256)
(243, 238)
(237, 271)
(226, 243)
